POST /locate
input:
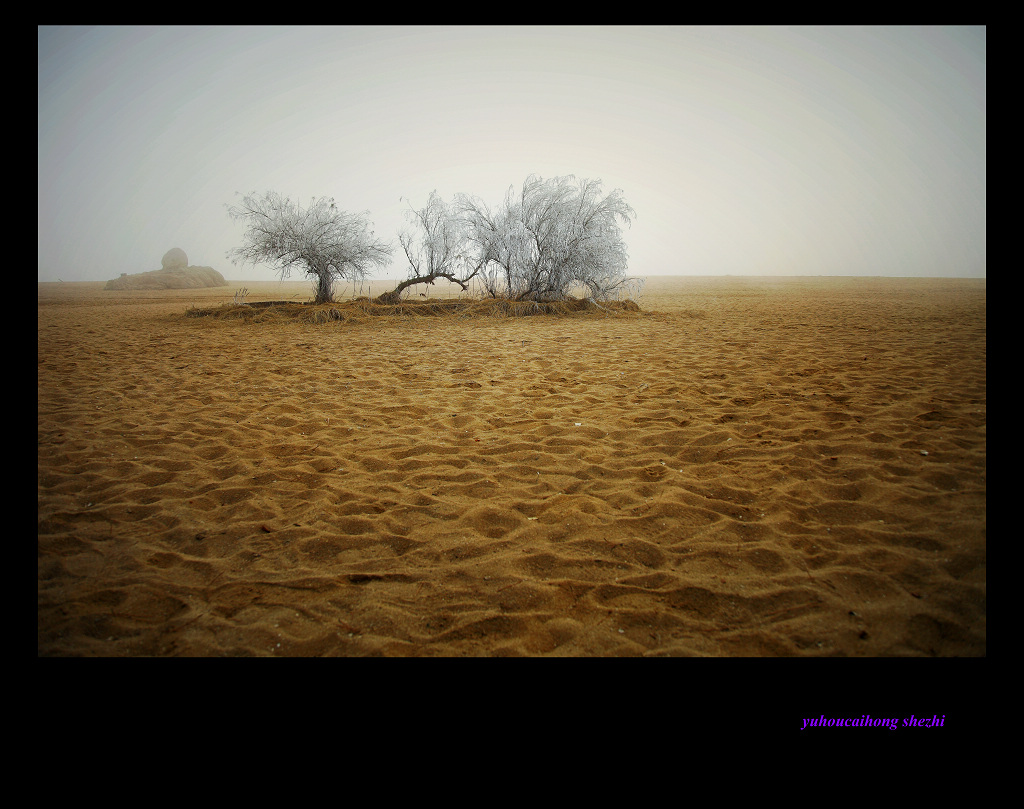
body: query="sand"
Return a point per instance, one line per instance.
(749, 467)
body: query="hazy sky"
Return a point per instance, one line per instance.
(743, 150)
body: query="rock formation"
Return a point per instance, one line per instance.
(176, 274)
(175, 257)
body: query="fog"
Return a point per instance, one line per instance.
(743, 150)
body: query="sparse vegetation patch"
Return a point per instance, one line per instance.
(363, 308)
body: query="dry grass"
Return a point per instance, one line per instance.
(362, 308)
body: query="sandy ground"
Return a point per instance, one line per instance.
(750, 467)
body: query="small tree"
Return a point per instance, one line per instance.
(326, 243)
(437, 247)
(550, 237)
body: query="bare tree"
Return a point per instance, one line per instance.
(437, 247)
(326, 243)
(551, 236)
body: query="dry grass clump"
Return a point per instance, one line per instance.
(360, 308)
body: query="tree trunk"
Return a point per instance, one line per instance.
(324, 288)
(395, 295)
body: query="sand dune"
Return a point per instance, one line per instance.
(750, 466)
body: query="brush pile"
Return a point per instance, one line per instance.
(363, 308)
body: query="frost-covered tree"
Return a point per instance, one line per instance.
(551, 236)
(324, 242)
(436, 247)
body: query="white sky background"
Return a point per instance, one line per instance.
(748, 151)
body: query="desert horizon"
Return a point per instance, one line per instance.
(753, 466)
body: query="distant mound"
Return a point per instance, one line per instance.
(175, 273)
(175, 277)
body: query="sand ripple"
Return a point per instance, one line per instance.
(750, 467)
